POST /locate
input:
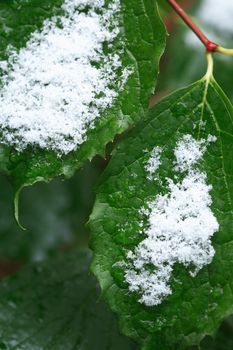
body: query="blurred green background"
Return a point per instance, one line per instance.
(55, 214)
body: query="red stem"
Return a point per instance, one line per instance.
(210, 45)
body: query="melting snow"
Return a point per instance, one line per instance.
(60, 83)
(181, 225)
(153, 163)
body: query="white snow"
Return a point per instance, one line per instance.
(50, 87)
(180, 227)
(154, 162)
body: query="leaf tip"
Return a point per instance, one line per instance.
(16, 209)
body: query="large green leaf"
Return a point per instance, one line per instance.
(54, 306)
(197, 304)
(143, 35)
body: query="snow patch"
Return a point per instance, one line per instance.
(55, 88)
(180, 227)
(154, 162)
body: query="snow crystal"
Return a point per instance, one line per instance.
(154, 162)
(55, 88)
(180, 228)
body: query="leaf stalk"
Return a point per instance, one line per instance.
(210, 66)
(224, 51)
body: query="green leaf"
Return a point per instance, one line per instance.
(164, 7)
(54, 306)
(197, 304)
(144, 37)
